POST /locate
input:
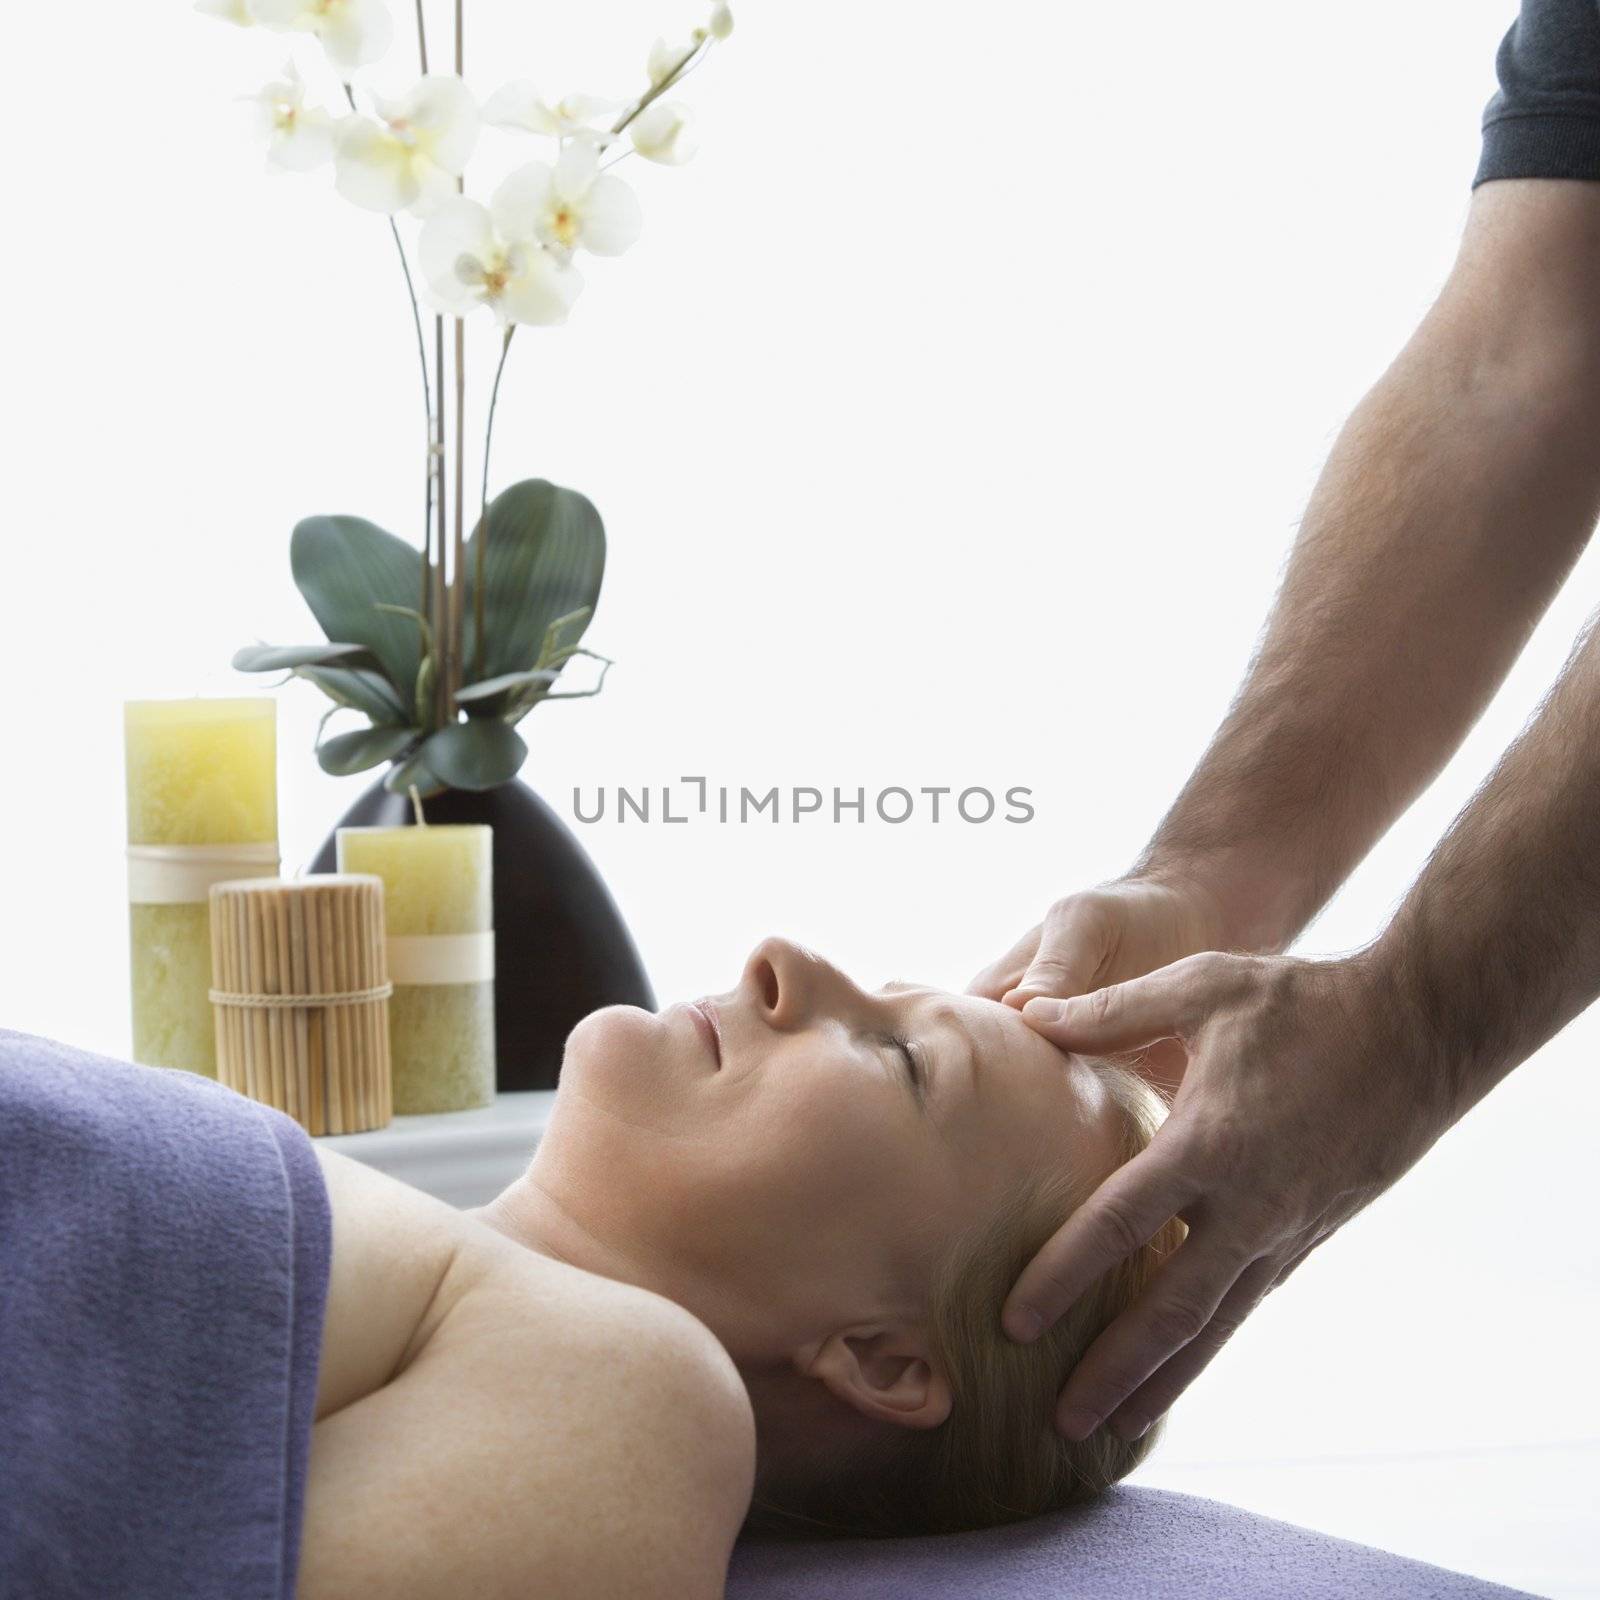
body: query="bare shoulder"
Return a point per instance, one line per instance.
(396, 1253)
(654, 1477)
(555, 1432)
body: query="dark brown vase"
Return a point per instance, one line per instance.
(561, 947)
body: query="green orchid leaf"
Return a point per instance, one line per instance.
(359, 689)
(279, 657)
(494, 696)
(544, 561)
(520, 705)
(344, 566)
(359, 751)
(413, 770)
(510, 680)
(475, 755)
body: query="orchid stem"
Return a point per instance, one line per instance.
(435, 596)
(696, 52)
(422, 359)
(427, 509)
(427, 406)
(457, 581)
(441, 686)
(483, 515)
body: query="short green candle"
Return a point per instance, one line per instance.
(438, 891)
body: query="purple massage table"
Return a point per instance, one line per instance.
(1130, 1544)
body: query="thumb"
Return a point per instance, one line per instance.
(1126, 1016)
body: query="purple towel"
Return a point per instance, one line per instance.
(1130, 1544)
(164, 1250)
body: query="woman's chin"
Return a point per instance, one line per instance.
(625, 1073)
(614, 1039)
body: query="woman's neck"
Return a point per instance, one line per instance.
(530, 1215)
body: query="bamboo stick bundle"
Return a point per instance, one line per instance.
(300, 991)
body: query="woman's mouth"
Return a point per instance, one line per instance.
(704, 1015)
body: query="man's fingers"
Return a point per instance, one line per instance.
(1154, 1397)
(1126, 1016)
(1295, 1260)
(1176, 1308)
(1071, 948)
(1165, 1004)
(1001, 975)
(1120, 1217)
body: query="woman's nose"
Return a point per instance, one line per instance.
(788, 981)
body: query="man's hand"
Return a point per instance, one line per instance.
(1451, 508)
(1309, 1090)
(1102, 936)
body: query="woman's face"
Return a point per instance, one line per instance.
(798, 1173)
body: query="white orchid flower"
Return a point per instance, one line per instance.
(665, 59)
(299, 137)
(519, 105)
(411, 154)
(571, 205)
(353, 32)
(472, 255)
(235, 11)
(661, 133)
(721, 20)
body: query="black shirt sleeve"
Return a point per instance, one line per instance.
(1545, 120)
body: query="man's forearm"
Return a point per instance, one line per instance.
(1455, 501)
(1497, 946)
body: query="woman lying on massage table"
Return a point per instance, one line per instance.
(761, 1250)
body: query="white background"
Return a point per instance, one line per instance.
(950, 422)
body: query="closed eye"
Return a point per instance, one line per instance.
(908, 1054)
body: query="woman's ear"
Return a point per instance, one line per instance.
(884, 1372)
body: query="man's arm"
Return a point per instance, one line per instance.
(1312, 1086)
(1452, 506)
(1497, 945)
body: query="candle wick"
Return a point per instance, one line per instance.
(416, 805)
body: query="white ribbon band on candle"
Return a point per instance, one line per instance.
(182, 874)
(441, 957)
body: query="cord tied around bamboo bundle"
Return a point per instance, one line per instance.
(352, 997)
(300, 992)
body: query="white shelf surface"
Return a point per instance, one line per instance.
(463, 1157)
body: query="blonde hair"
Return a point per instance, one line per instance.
(997, 1457)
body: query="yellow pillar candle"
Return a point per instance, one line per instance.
(202, 807)
(438, 893)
